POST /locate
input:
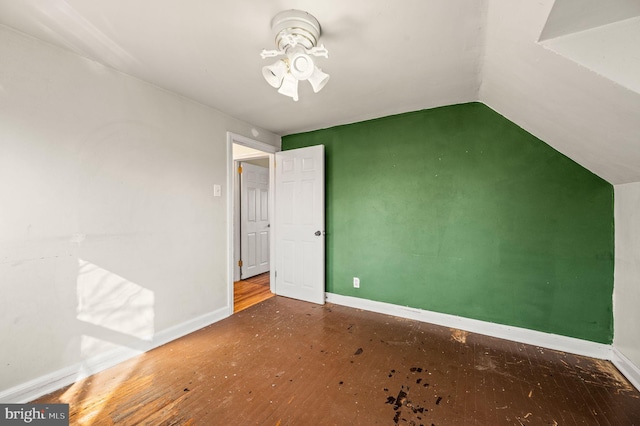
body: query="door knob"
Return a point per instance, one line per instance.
(318, 233)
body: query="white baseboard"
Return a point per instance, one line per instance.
(48, 383)
(626, 367)
(516, 334)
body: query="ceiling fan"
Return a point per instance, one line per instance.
(296, 36)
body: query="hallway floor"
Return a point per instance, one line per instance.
(251, 291)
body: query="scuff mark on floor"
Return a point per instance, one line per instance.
(614, 377)
(459, 336)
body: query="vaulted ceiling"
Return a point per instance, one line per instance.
(567, 71)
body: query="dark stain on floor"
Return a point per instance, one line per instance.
(410, 407)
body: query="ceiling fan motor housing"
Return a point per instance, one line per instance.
(295, 27)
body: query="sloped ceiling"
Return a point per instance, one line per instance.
(517, 56)
(590, 116)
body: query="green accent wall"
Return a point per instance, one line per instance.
(460, 211)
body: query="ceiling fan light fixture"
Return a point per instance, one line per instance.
(274, 74)
(301, 66)
(318, 79)
(289, 87)
(296, 37)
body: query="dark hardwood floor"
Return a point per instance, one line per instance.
(286, 362)
(251, 291)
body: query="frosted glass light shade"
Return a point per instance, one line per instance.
(318, 79)
(289, 87)
(274, 74)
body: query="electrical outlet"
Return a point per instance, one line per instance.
(356, 282)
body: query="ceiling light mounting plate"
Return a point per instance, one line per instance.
(295, 28)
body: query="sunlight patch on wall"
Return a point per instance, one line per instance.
(108, 300)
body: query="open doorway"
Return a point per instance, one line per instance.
(297, 235)
(251, 213)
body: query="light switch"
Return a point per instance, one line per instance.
(217, 191)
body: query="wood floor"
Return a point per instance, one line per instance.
(286, 362)
(251, 291)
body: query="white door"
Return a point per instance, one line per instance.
(299, 211)
(254, 220)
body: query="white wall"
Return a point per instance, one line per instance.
(626, 292)
(109, 231)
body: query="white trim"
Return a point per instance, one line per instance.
(517, 334)
(230, 219)
(626, 367)
(245, 157)
(251, 143)
(235, 248)
(48, 383)
(270, 151)
(272, 215)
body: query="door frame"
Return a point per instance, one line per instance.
(237, 213)
(270, 151)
